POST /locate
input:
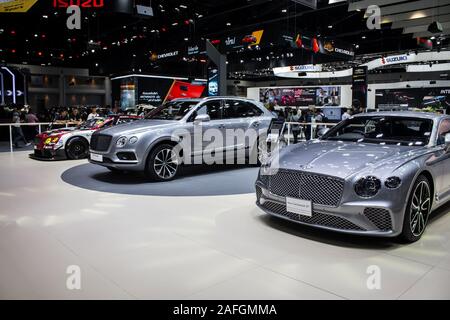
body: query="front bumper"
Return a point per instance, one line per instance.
(112, 160)
(48, 154)
(360, 218)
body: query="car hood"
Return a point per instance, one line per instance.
(344, 159)
(137, 127)
(56, 132)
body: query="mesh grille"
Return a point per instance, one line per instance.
(319, 189)
(317, 218)
(381, 218)
(100, 142)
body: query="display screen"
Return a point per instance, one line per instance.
(127, 96)
(333, 114)
(420, 98)
(213, 81)
(302, 97)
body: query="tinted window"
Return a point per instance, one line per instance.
(212, 108)
(378, 129)
(175, 110)
(240, 109)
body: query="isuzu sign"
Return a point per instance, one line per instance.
(79, 3)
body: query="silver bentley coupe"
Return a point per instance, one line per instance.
(379, 174)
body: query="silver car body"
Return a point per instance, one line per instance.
(151, 133)
(328, 171)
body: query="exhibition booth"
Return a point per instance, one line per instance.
(242, 150)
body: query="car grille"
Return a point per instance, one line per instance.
(100, 142)
(319, 219)
(381, 218)
(319, 189)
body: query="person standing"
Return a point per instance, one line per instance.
(295, 126)
(347, 114)
(93, 114)
(17, 133)
(30, 117)
(75, 115)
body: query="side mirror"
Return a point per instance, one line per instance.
(322, 132)
(202, 118)
(447, 139)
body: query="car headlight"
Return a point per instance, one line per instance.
(367, 187)
(393, 182)
(121, 142)
(133, 140)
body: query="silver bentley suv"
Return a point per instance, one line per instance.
(379, 174)
(184, 131)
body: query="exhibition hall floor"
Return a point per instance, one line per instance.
(199, 237)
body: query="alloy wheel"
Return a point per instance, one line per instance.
(420, 208)
(166, 164)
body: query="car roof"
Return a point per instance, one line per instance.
(406, 114)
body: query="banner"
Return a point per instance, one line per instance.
(241, 41)
(327, 96)
(359, 87)
(431, 99)
(337, 48)
(16, 6)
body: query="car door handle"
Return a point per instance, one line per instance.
(221, 126)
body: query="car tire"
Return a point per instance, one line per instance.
(163, 163)
(417, 211)
(77, 148)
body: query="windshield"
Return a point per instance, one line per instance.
(378, 129)
(172, 110)
(89, 124)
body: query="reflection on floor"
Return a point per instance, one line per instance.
(190, 246)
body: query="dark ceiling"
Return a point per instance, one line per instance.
(112, 43)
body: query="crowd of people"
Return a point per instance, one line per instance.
(301, 119)
(56, 115)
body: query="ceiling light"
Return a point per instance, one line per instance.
(284, 10)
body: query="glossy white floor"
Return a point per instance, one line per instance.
(190, 247)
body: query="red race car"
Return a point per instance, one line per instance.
(73, 143)
(249, 39)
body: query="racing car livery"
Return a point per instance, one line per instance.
(73, 143)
